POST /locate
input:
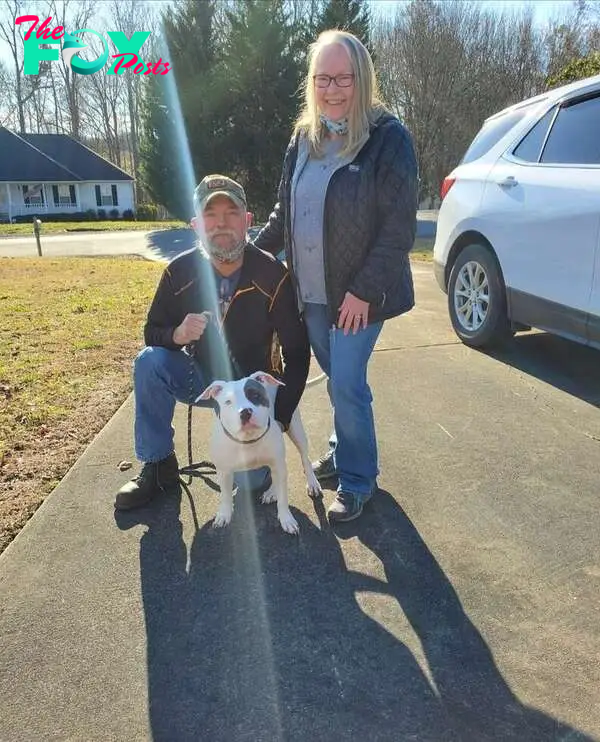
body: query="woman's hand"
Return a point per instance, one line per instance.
(354, 312)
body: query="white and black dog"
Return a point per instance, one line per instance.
(245, 436)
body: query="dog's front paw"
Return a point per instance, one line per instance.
(288, 522)
(222, 518)
(269, 496)
(313, 487)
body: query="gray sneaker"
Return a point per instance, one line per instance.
(348, 505)
(324, 468)
(345, 507)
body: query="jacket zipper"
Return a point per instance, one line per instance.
(287, 237)
(237, 293)
(326, 266)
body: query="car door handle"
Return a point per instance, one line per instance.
(509, 182)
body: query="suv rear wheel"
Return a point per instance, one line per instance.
(477, 299)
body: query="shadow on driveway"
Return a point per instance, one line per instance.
(166, 244)
(261, 637)
(566, 365)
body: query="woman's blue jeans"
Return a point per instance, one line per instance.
(344, 359)
(162, 377)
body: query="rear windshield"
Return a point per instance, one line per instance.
(493, 131)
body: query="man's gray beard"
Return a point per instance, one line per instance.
(223, 255)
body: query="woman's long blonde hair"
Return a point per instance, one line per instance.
(366, 105)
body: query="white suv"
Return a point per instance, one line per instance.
(518, 233)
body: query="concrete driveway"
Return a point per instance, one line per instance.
(463, 605)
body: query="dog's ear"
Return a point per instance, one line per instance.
(211, 391)
(266, 378)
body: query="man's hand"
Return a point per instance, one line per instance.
(191, 329)
(354, 313)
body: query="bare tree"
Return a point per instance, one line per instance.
(104, 116)
(565, 37)
(26, 87)
(72, 15)
(445, 66)
(8, 104)
(129, 16)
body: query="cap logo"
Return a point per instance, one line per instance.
(216, 183)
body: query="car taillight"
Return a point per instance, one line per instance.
(446, 186)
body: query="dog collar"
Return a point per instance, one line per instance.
(254, 440)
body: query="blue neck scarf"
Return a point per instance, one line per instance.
(334, 127)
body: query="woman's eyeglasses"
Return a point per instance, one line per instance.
(341, 81)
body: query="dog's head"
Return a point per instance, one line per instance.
(244, 406)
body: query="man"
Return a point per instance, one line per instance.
(231, 308)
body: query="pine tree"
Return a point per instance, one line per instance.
(577, 69)
(158, 159)
(177, 110)
(347, 15)
(261, 76)
(237, 68)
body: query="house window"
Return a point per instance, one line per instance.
(33, 194)
(64, 195)
(106, 195)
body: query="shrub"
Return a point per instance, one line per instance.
(101, 213)
(91, 215)
(28, 218)
(114, 213)
(147, 212)
(128, 215)
(68, 216)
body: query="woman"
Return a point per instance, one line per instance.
(346, 217)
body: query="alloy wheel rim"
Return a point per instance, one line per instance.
(471, 296)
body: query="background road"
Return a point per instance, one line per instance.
(159, 244)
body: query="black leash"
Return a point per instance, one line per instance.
(201, 469)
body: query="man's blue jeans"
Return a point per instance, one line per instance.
(344, 359)
(162, 377)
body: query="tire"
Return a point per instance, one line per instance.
(477, 299)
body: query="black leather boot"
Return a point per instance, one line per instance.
(154, 479)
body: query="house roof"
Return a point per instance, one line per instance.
(43, 158)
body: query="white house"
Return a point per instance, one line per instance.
(43, 174)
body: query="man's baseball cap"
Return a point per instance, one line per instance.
(218, 185)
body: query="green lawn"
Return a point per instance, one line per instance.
(70, 330)
(24, 230)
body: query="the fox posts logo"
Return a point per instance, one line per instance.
(41, 48)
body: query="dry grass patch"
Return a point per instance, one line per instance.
(423, 248)
(70, 330)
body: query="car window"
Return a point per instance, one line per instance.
(492, 132)
(574, 137)
(530, 147)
